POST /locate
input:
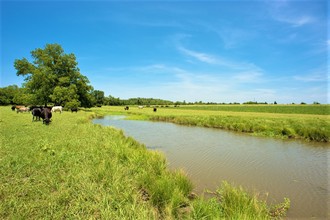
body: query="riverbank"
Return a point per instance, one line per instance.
(310, 123)
(74, 169)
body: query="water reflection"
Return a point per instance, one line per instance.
(293, 169)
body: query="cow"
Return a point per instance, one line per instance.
(126, 108)
(74, 110)
(36, 113)
(22, 109)
(155, 109)
(141, 107)
(57, 108)
(46, 115)
(15, 107)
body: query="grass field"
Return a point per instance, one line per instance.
(283, 109)
(307, 122)
(73, 169)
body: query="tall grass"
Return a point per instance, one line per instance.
(73, 169)
(311, 129)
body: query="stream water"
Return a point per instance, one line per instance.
(280, 168)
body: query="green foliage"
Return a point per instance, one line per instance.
(137, 101)
(8, 94)
(72, 104)
(53, 76)
(63, 95)
(98, 96)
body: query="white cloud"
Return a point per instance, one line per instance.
(285, 12)
(219, 61)
(249, 76)
(295, 21)
(203, 57)
(318, 75)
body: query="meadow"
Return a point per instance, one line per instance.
(74, 169)
(284, 109)
(304, 122)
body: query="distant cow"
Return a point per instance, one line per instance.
(46, 115)
(15, 107)
(140, 107)
(126, 108)
(155, 109)
(22, 109)
(36, 113)
(74, 110)
(57, 108)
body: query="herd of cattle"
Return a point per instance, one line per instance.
(41, 112)
(46, 112)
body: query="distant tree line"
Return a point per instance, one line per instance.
(13, 94)
(136, 101)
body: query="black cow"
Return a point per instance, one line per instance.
(13, 107)
(74, 110)
(46, 115)
(36, 113)
(155, 109)
(126, 108)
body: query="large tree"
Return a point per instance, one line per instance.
(99, 97)
(53, 76)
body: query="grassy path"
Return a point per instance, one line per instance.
(74, 169)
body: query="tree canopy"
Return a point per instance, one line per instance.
(54, 76)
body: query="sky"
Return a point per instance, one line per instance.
(210, 51)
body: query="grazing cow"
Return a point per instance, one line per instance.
(46, 115)
(22, 109)
(15, 107)
(36, 113)
(57, 108)
(74, 110)
(126, 108)
(155, 109)
(140, 107)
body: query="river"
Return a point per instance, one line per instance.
(294, 169)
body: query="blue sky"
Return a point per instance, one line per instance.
(211, 51)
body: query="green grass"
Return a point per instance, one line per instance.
(73, 169)
(282, 109)
(249, 119)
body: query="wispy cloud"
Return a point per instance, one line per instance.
(283, 11)
(295, 21)
(317, 75)
(239, 71)
(203, 57)
(249, 76)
